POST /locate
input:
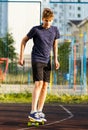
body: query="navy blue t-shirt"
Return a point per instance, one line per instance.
(43, 42)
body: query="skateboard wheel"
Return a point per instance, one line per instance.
(29, 124)
(42, 122)
(36, 124)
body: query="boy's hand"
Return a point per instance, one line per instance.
(21, 62)
(57, 65)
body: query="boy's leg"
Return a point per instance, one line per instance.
(35, 94)
(37, 69)
(46, 79)
(42, 96)
(41, 76)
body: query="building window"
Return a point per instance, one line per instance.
(60, 21)
(79, 8)
(55, 5)
(78, 0)
(70, 14)
(70, 7)
(55, 12)
(55, 20)
(61, 6)
(79, 15)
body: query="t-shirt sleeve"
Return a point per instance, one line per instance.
(57, 33)
(31, 33)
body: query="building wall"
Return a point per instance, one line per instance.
(65, 12)
(3, 18)
(82, 29)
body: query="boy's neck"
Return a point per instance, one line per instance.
(46, 27)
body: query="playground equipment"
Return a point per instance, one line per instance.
(3, 68)
(73, 68)
(84, 62)
(77, 66)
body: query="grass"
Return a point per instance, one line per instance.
(68, 99)
(17, 78)
(16, 98)
(27, 98)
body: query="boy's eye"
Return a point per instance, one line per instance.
(48, 20)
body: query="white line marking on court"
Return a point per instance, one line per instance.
(69, 117)
(56, 122)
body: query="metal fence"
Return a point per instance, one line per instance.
(73, 65)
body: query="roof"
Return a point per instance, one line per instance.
(83, 22)
(76, 22)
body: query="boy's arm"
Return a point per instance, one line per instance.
(55, 51)
(23, 44)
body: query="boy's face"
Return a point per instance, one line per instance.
(47, 22)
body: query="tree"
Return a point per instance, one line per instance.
(1, 47)
(63, 52)
(7, 50)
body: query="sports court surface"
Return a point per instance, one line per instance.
(60, 117)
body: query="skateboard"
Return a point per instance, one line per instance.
(32, 122)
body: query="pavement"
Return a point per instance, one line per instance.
(59, 117)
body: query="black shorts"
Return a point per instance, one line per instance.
(41, 71)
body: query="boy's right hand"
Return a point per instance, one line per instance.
(21, 62)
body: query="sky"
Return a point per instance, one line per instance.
(22, 16)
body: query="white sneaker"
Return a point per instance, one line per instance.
(35, 116)
(42, 116)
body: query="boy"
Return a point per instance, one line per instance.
(45, 38)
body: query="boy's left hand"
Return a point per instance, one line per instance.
(57, 65)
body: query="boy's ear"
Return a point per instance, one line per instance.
(42, 19)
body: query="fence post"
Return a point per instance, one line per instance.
(84, 62)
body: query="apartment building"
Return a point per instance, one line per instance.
(66, 11)
(3, 18)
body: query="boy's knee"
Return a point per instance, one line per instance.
(45, 85)
(39, 84)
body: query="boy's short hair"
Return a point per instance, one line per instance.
(47, 13)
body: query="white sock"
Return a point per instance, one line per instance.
(33, 112)
(39, 110)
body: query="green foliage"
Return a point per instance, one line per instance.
(63, 52)
(27, 98)
(7, 48)
(67, 99)
(16, 98)
(1, 47)
(17, 78)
